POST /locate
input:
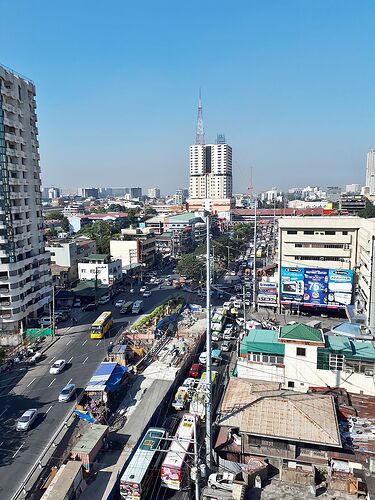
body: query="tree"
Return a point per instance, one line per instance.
(53, 215)
(101, 232)
(191, 267)
(116, 207)
(64, 223)
(51, 233)
(369, 211)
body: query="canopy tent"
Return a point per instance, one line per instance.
(107, 377)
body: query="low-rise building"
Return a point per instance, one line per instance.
(79, 221)
(100, 267)
(299, 357)
(136, 246)
(352, 204)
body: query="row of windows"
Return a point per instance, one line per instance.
(338, 362)
(265, 358)
(317, 232)
(344, 246)
(316, 257)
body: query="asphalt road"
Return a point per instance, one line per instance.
(36, 388)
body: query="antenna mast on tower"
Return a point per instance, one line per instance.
(199, 138)
(250, 187)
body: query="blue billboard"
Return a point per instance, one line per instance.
(291, 284)
(316, 286)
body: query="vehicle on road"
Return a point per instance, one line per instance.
(77, 302)
(216, 336)
(101, 325)
(89, 307)
(142, 289)
(104, 299)
(66, 394)
(137, 306)
(226, 346)
(198, 401)
(195, 370)
(47, 320)
(26, 420)
(222, 481)
(57, 367)
(147, 293)
(126, 307)
(203, 358)
(119, 303)
(139, 475)
(173, 471)
(180, 398)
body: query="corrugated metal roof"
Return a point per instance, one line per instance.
(309, 418)
(351, 349)
(302, 332)
(106, 377)
(265, 341)
(90, 438)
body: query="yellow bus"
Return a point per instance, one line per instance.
(101, 325)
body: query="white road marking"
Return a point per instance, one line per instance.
(53, 359)
(84, 342)
(18, 450)
(68, 342)
(98, 342)
(83, 362)
(49, 409)
(33, 380)
(69, 381)
(70, 359)
(1, 444)
(52, 382)
(4, 411)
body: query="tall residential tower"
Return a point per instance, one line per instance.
(25, 276)
(370, 171)
(211, 184)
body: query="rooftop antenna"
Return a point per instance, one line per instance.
(199, 138)
(250, 187)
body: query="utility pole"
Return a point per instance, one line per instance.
(96, 286)
(255, 257)
(53, 311)
(196, 461)
(208, 349)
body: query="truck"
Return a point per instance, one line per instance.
(137, 306)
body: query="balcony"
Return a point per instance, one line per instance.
(17, 196)
(7, 91)
(9, 108)
(11, 152)
(14, 167)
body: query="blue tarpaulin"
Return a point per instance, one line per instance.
(106, 378)
(169, 319)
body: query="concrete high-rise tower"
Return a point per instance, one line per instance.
(370, 172)
(25, 275)
(211, 183)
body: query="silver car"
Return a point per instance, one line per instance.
(66, 394)
(26, 420)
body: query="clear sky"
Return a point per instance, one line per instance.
(290, 82)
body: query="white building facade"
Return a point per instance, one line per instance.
(100, 267)
(25, 275)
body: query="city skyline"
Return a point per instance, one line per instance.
(292, 102)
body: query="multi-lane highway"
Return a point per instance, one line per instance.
(37, 388)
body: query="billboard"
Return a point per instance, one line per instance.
(316, 286)
(267, 294)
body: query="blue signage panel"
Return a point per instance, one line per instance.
(316, 286)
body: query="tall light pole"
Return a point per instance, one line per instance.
(208, 348)
(255, 256)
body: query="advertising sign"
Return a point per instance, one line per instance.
(292, 284)
(267, 294)
(316, 286)
(340, 286)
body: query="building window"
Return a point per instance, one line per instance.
(290, 385)
(330, 232)
(336, 362)
(291, 232)
(301, 351)
(308, 232)
(345, 233)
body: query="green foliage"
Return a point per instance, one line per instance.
(116, 207)
(101, 232)
(51, 232)
(64, 223)
(54, 215)
(150, 212)
(369, 211)
(191, 267)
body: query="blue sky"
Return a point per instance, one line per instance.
(290, 83)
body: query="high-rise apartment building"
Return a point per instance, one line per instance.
(211, 184)
(370, 172)
(25, 276)
(88, 192)
(153, 193)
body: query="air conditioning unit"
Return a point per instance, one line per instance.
(369, 373)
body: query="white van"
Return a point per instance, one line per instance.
(203, 358)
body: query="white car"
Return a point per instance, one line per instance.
(119, 303)
(227, 304)
(67, 393)
(142, 289)
(147, 293)
(222, 481)
(104, 300)
(57, 367)
(226, 345)
(26, 420)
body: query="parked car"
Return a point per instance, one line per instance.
(77, 302)
(222, 481)
(47, 320)
(226, 346)
(196, 370)
(104, 299)
(57, 367)
(62, 315)
(119, 303)
(147, 293)
(26, 420)
(66, 394)
(142, 289)
(89, 307)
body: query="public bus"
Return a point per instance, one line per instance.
(101, 325)
(173, 471)
(217, 322)
(141, 472)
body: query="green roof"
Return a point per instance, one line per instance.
(186, 217)
(351, 349)
(97, 256)
(302, 332)
(264, 341)
(87, 289)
